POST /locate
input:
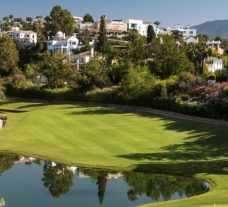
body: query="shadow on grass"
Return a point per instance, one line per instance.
(33, 105)
(204, 150)
(11, 111)
(98, 111)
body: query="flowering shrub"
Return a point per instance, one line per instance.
(19, 79)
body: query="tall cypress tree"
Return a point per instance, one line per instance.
(102, 40)
(150, 34)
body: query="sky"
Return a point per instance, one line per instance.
(168, 12)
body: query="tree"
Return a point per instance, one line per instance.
(88, 18)
(60, 20)
(102, 39)
(150, 34)
(137, 49)
(29, 19)
(9, 56)
(57, 68)
(29, 70)
(11, 17)
(168, 58)
(138, 82)
(157, 23)
(94, 74)
(2, 95)
(58, 179)
(197, 54)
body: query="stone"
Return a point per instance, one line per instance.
(1, 123)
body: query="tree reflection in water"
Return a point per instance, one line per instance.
(58, 178)
(162, 187)
(7, 162)
(101, 178)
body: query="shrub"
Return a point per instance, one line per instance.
(38, 92)
(138, 82)
(19, 79)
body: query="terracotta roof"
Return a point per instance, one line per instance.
(22, 31)
(86, 53)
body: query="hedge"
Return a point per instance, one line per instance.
(114, 96)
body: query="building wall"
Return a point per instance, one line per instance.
(217, 64)
(25, 37)
(64, 46)
(141, 26)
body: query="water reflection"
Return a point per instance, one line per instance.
(131, 188)
(57, 178)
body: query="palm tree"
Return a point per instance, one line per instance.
(197, 54)
(157, 23)
(2, 95)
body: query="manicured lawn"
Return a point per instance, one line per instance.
(112, 138)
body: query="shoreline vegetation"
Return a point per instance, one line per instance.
(65, 149)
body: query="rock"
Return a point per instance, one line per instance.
(2, 122)
(225, 169)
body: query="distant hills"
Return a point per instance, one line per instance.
(213, 28)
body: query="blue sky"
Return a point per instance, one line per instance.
(168, 12)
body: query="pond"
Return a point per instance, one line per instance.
(27, 182)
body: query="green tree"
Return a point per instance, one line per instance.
(88, 18)
(137, 49)
(57, 68)
(138, 82)
(150, 34)
(94, 74)
(29, 19)
(197, 54)
(102, 39)
(38, 28)
(168, 58)
(157, 23)
(29, 70)
(9, 55)
(60, 20)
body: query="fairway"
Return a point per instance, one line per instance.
(109, 137)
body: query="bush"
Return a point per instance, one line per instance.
(138, 82)
(38, 92)
(19, 79)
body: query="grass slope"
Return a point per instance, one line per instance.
(112, 138)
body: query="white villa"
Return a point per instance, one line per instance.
(214, 64)
(185, 31)
(61, 43)
(83, 57)
(26, 37)
(191, 40)
(141, 26)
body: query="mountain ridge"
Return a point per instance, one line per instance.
(213, 28)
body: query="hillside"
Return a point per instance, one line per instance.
(214, 28)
